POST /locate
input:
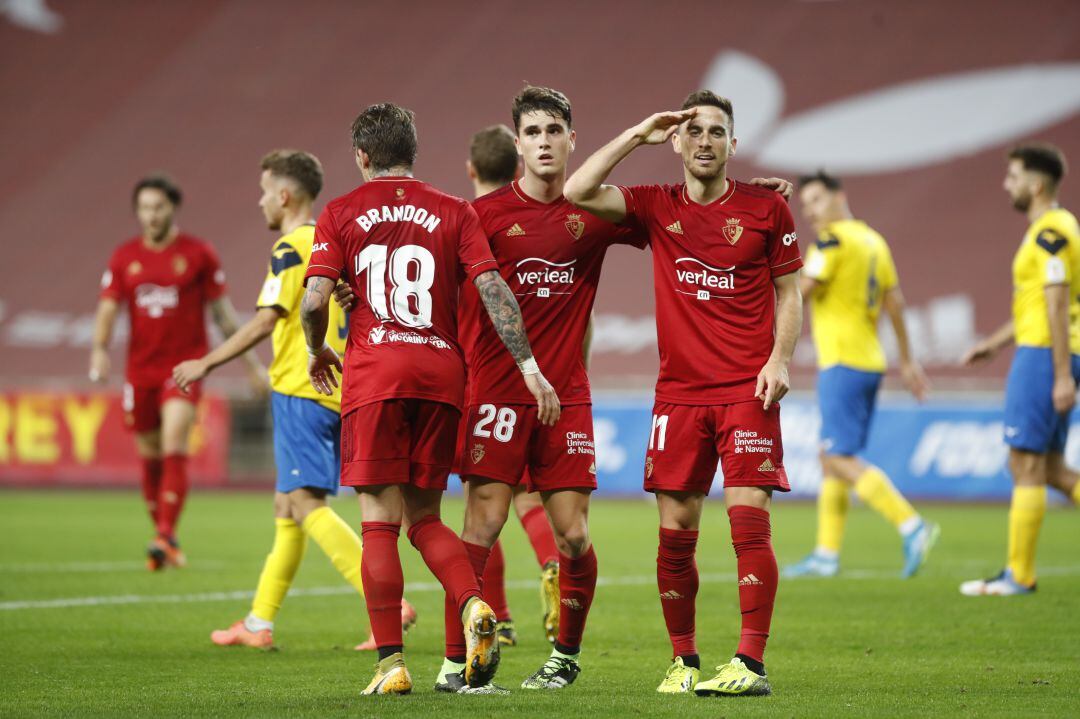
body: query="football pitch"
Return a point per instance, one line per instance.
(85, 630)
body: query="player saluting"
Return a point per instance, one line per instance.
(404, 247)
(848, 279)
(166, 278)
(1041, 389)
(728, 314)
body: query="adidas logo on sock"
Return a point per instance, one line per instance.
(766, 466)
(515, 231)
(675, 227)
(571, 603)
(671, 594)
(748, 580)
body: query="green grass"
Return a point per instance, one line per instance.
(868, 644)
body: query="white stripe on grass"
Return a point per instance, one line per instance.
(410, 588)
(71, 567)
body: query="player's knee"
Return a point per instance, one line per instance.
(574, 540)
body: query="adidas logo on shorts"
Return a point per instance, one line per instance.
(748, 580)
(766, 466)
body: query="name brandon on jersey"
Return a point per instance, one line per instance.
(533, 271)
(380, 334)
(704, 279)
(400, 213)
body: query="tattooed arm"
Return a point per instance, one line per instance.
(314, 318)
(505, 314)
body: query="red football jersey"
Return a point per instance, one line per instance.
(713, 267)
(166, 291)
(550, 256)
(405, 248)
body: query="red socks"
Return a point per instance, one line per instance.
(577, 585)
(493, 585)
(384, 583)
(455, 631)
(536, 525)
(445, 555)
(151, 485)
(751, 536)
(174, 486)
(677, 580)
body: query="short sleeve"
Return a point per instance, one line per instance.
(474, 252)
(783, 244)
(284, 278)
(638, 206)
(1053, 255)
(327, 257)
(112, 280)
(822, 258)
(887, 275)
(213, 277)
(629, 235)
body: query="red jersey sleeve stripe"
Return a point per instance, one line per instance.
(776, 269)
(628, 197)
(323, 271)
(481, 267)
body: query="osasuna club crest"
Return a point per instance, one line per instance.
(477, 453)
(732, 230)
(574, 226)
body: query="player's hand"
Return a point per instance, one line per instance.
(188, 373)
(321, 368)
(915, 380)
(772, 383)
(99, 365)
(1064, 394)
(344, 296)
(548, 407)
(658, 129)
(981, 352)
(778, 184)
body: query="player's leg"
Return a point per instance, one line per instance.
(177, 420)
(530, 511)
(286, 553)
(493, 584)
(148, 447)
(1062, 477)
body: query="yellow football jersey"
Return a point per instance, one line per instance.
(1049, 255)
(283, 289)
(855, 268)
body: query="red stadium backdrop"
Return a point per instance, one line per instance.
(913, 104)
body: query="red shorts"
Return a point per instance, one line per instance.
(686, 441)
(399, 441)
(507, 443)
(142, 405)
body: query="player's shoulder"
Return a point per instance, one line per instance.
(755, 194)
(1058, 221)
(495, 198)
(190, 243)
(128, 247)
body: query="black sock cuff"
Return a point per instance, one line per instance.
(563, 649)
(752, 664)
(386, 651)
(691, 660)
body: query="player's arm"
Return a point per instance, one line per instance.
(104, 320)
(985, 350)
(250, 334)
(505, 315)
(586, 188)
(808, 287)
(586, 344)
(773, 381)
(911, 372)
(315, 318)
(1057, 312)
(224, 316)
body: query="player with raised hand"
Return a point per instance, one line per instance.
(405, 248)
(167, 279)
(848, 279)
(1040, 392)
(728, 314)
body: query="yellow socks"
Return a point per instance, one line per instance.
(335, 537)
(875, 489)
(1075, 494)
(832, 508)
(279, 570)
(1025, 520)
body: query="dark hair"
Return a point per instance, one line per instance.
(541, 99)
(493, 154)
(301, 167)
(387, 134)
(831, 182)
(1041, 157)
(708, 97)
(160, 182)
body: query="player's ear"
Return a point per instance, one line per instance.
(470, 170)
(517, 144)
(734, 142)
(573, 140)
(676, 143)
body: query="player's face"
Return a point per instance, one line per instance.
(544, 143)
(1020, 184)
(705, 142)
(154, 212)
(820, 205)
(272, 201)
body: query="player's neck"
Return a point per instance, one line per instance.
(162, 242)
(399, 171)
(296, 218)
(705, 192)
(543, 189)
(484, 188)
(1039, 206)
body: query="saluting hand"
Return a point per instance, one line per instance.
(658, 129)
